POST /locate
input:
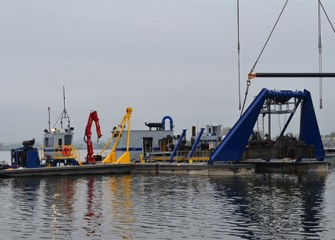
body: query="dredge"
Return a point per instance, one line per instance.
(242, 144)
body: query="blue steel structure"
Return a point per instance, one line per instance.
(177, 145)
(26, 157)
(196, 143)
(171, 122)
(234, 144)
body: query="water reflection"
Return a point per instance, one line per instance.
(59, 206)
(94, 212)
(23, 205)
(261, 206)
(267, 205)
(121, 202)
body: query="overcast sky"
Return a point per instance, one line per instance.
(160, 57)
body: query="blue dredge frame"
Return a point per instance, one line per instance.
(234, 144)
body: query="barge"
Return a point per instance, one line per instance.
(67, 170)
(58, 156)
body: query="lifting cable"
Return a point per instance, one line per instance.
(320, 51)
(245, 96)
(324, 11)
(320, 45)
(238, 53)
(260, 54)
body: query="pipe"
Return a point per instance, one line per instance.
(291, 75)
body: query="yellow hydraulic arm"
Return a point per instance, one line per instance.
(125, 158)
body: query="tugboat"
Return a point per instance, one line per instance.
(57, 147)
(58, 156)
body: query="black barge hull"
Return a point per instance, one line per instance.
(68, 170)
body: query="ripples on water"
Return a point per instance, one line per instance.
(261, 206)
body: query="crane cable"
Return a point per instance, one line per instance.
(245, 96)
(320, 51)
(324, 11)
(320, 5)
(260, 54)
(238, 53)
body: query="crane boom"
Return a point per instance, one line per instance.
(93, 117)
(125, 158)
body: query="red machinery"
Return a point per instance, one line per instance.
(87, 138)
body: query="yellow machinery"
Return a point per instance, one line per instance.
(125, 157)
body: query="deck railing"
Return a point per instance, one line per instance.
(61, 153)
(181, 156)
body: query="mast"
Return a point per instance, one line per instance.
(49, 123)
(65, 115)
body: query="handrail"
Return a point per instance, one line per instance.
(59, 153)
(181, 156)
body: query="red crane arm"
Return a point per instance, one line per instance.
(88, 134)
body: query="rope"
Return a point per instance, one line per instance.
(253, 68)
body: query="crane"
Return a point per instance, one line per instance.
(87, 137)
(125, 158)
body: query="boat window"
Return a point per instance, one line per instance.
(60, 142)
(214, 131)
(46, 142)
(147, 145)
(68, 139)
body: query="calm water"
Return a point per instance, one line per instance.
(261, 206)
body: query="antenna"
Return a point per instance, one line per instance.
(64, 98)
(49, 119)
(64, 114)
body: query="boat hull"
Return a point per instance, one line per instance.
(68, 170)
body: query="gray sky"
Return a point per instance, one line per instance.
(161, 57)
